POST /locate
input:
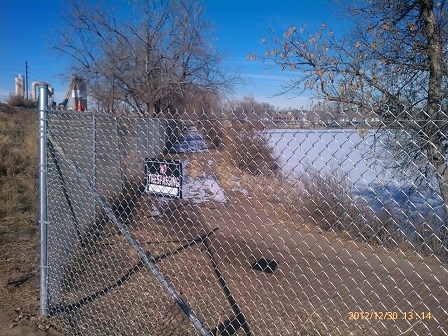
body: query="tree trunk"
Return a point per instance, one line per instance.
(439, 162)
(437, 150)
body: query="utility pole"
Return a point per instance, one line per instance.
(26, 79)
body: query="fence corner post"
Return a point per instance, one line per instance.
(43, 220)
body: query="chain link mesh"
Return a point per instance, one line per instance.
(280, 230)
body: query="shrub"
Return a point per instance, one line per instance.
(432, 239)
(211, 126)
(325, 199)
(20, 101)
(249, 149)
(213, 132)
(380, 229)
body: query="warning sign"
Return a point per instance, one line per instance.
(163, 178)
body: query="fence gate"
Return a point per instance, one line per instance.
(228, 223)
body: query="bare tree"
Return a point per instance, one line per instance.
(249, 108)
(392, 62)
(157, 56)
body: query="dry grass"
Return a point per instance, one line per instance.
(18, 173)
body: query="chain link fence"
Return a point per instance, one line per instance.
(233, 223)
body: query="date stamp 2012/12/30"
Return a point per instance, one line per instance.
(389, 315)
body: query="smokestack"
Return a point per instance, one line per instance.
(20, 88)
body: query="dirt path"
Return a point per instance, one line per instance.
(325, 280)
(321, 279)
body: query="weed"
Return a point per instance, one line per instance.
(18, 173)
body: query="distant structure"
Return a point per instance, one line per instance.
(79, 95)
(35, 89)
(75, 97)
(19, 87)
(77, 91)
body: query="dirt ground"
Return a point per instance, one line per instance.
(320, 278)
(19, 289)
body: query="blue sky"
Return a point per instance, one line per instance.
(239, 26)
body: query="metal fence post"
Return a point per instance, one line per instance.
(43, 214)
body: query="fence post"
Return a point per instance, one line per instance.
(43, 215)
